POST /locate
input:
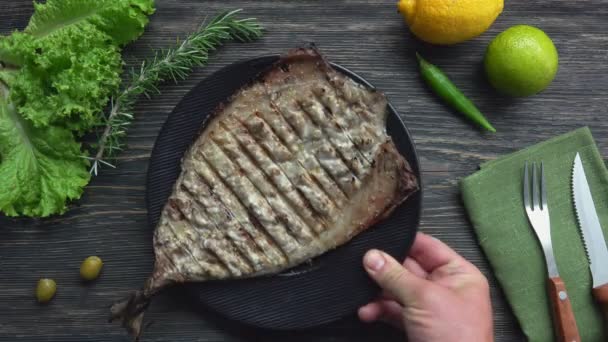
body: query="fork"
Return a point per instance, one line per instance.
(538, 215)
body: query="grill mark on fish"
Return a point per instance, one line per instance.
(278, 212)
(183, 247)
(337, 138)
(259, 179)
(249, 144)
(177, 244)
(285, 131)
(245, 247)
(267, 243)
(278, 231)
(327, 181)
(263, 258)
(355, 130)
(245, 253)
(255, 254)
(322, 178)
(347, 92)
(317, 198)
(295, 159)
(352, 179)
(258, 225)
(304, 172)
(220, 262)
(211, 244)
(158, 235)
(281, 243)
(176, 241)
(167, 257)
(228, 254)
(353, 113)
(353, 94)
(300, 203)
(344, 176)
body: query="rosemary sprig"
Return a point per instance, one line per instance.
(171, 64)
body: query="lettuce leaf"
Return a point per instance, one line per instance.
(69, 55)
(67, 79)
(40, 168)
(7, 56)
(56, 77)
(122, 20)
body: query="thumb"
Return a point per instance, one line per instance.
(391, 276)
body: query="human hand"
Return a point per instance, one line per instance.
(436, 295)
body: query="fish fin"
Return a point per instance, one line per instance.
(130, 311)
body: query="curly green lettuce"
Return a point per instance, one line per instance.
(70, 58)
(67, 79)
(56, 77)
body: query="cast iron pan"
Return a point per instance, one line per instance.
(327, 288)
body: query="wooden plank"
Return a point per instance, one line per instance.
(364, 35)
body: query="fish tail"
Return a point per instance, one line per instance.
(130, 310)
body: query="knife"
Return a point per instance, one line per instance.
(593, 237)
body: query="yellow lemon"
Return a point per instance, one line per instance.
(449, 21)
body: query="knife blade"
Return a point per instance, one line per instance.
(593, 237)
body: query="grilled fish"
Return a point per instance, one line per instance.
(293, 165)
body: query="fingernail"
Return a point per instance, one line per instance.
(373, 260)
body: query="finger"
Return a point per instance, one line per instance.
(370, 312)
(392, 277)
(392, 313)
(430, 253)
(413, 266)
(382, 310)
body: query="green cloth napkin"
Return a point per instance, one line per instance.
(493, 199)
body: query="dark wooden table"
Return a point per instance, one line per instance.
(366, 36)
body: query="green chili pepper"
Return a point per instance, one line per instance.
(446, 90)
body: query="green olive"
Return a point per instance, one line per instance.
(45, 290)
(90, 268)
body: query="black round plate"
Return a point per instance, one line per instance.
(329, 287)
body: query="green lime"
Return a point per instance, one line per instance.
(521, 61)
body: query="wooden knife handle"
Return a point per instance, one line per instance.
(601, 296)
(563, 316)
